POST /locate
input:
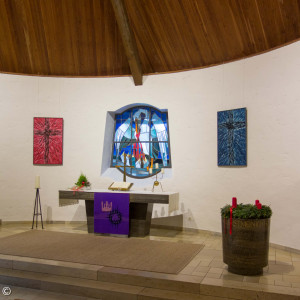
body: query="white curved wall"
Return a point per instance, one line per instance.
(268, 85)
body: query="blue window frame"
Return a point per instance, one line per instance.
(142, 133)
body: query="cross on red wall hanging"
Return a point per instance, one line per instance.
(47, 141)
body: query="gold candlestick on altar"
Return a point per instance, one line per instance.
(157, 183)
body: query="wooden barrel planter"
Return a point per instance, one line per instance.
(246, 250)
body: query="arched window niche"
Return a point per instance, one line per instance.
(141, 132)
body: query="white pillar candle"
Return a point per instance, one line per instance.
(156, 166)
(150, 171)
(162, 170)
(37, 182)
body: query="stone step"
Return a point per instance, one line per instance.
(115, 283)
(156, 294)
(91, 288)
(49, 266)
(21, 293)
(182, 283)
(69, 285)
(179, 283)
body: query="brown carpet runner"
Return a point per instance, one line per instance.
(132, 253)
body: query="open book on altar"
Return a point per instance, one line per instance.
(120, 186)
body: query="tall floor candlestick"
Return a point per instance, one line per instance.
(37, 211)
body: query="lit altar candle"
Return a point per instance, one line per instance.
(37, 182)
(156, 166)
(162, 170)
(150, 171)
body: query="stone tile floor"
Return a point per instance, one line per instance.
(282, 275)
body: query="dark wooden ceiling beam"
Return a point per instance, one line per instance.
(129, 42)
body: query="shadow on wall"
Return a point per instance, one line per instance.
(80, 214)
(107, 143)
(182, 219)
(174, 222)
(49, 214)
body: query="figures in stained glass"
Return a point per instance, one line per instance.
(142, 133)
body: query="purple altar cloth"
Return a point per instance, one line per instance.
(111, 213)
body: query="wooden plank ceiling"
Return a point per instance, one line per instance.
(82, 37)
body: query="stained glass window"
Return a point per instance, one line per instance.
(142, 133)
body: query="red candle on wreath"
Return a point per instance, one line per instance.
(234, 202)
(256, 202)
(230, 228)
(258, 205)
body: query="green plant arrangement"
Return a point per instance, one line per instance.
(247, 211)
(82, 181)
